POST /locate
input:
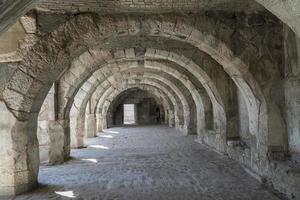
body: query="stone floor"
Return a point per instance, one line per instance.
(153, 162)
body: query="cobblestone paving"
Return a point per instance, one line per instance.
(152, 162)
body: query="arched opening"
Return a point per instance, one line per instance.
(143, 109)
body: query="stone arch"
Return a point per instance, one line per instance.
(129, 54)
(220, 120)
(158, 95)
(162, 83)
(232, 65)
(152, 91)
(78, 136)
(200, 74)
(178, 29)
(173, 72)
(136, 83)
(107, 71)
(148, 64)
(48, 58)
(164, 27)
(174, 101)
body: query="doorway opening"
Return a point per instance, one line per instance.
(129, 113)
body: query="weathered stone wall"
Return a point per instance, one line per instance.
(148, 112)
(9, 41)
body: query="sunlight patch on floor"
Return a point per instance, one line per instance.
(96, 146)
(110, 131)
(106, 136)
(90, 160)
(69, 194)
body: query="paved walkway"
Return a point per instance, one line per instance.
(153, 162)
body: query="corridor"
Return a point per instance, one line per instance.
(149, 162)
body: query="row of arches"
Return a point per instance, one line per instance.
(86, 73)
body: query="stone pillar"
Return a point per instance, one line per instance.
(57, 142)
(187, 120)
(67, 137)
(51, 132)
(177, 120)
(166, 117)
(171, 119)
(104, 123)
(99, 123)
(51, 142)
(292, 91)
(77, 131)
(91, 125)
(19, 153)
(109, 119)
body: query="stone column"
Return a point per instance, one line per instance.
(176, 120)
(292, 91)
(67, 137)
(77, 131)
(109, 119)
(57, 142)
(171, 118)
(19, 153)
(51, 131)
(91, 125)
(104, 123)
(99, 123)
(166, 117)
